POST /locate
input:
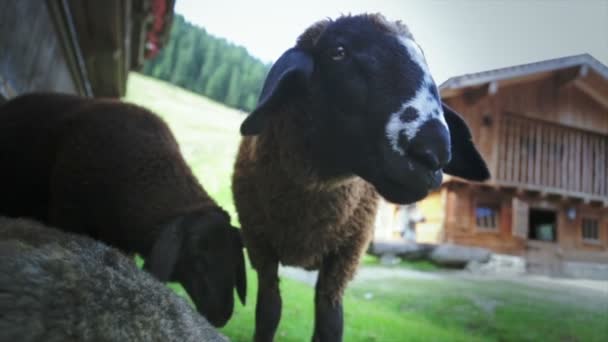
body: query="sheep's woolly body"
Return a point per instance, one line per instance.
(62, 287)
(111, 164)
(291, 214)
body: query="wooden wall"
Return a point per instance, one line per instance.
(104, 36)
(460, 224)
(570, 245)
(31, 54)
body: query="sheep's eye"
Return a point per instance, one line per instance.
(338, 53)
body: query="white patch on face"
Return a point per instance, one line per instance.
(416, 54)
(423, 102)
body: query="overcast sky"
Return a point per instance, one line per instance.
(458, 36)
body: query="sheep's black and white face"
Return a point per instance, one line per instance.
(370, 107)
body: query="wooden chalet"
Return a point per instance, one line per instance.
(82, 47)
(543, 129)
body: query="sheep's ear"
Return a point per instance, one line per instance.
(289, 74)
(466, 161)
(240, 275)
(163, 256)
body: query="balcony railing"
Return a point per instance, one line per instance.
(536, 155)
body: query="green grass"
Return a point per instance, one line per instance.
(449, 309)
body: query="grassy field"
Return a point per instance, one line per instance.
(388, 309)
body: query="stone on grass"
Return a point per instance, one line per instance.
(457, 256)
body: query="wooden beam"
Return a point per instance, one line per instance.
(594, 93)
(567, 77)
(474, 95)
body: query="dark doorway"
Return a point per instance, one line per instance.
(543, 225)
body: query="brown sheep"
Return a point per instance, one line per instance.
(113, 171)
(57, 286)
(348, 114)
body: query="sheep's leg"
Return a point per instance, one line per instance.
(329, 318)
(268, 306)
(336, 271)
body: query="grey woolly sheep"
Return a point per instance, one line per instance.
(57, 286)
(114, 171)
(348, 114)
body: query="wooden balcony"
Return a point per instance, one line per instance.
(541, 156)
(538, 156)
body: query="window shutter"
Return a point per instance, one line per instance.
(520, 218)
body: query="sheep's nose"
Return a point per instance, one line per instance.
(431, 145)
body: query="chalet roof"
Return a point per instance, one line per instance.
(480, 78)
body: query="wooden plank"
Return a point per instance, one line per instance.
(556, 156)
(604, 179)
(557, 159)
(551, 156)
(548, 191)
(502, 149)
(577, 163)
(601, 167)
(520, 220)
(596, 165)
(593, 92)
(524, 149)
(505, 165)
(563, 170)
(599, 163)
(571, 160)
(590, 163)
(583, 163)
(509, 166)
(102, 36)
(545, 156)
(495, 145)
(539, 154)
(517, 150)
(560, 139)
(531, 140)
(586, 166)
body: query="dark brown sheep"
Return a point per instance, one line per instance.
(114, 171)
(57, 286)
(348, 114)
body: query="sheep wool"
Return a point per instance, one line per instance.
(58, 286)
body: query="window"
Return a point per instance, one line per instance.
(543, 225)
(591, 231)
(486, 216)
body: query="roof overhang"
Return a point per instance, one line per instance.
(582, 71)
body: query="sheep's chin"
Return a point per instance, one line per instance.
(403, 180)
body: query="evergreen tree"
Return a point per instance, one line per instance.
(217, 86)
(233, 92)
